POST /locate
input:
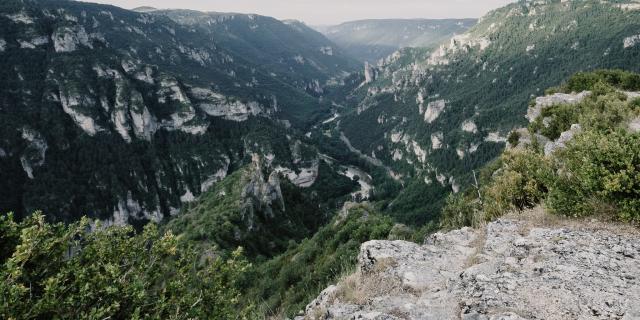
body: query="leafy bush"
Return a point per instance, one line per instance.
(618, 78)
(459, 212)
(53, 271)
(286, 283)
(599, 172)
(520, 183)
(513, 138)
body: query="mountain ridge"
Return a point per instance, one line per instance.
(373, 39)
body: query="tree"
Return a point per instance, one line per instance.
(55, 271)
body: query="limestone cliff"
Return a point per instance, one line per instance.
(514, 268)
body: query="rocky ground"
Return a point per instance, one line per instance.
(529, 266)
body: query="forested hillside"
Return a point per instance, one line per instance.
(579, 156)
(434, 116)
(180, 164)
(126, 116)
(372, 40)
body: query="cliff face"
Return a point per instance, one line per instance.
(511, 269)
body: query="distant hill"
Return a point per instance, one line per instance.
(371, 40)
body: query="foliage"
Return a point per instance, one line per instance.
(582, 81)
(490, 86)
(597, 173)
(459, 212)
(601, 178)
(513, 138)
(55, 271)
(519, 184)
(288, 282)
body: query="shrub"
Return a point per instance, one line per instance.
(599, 169)
(459, 212)
(587, 80)
(55, 271)
(520, 183)
(513, 138)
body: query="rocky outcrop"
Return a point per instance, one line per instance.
(511, 269)
(305, 178)
(217, 105)
(434, 109)
(629, 42)
(561, 142)
(370, 73)
(558, 98)
(69, 39)
(34, 153)
(260, 196)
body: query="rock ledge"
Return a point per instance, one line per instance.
(510, 269)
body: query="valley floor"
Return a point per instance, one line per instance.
(530, 265)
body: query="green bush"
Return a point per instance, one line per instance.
(459, 212)
(599, 172)
(617, 78)
(286, 283)
(53, 271)
(513, 138)
(520, 183)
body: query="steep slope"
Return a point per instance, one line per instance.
(551, 249)
(258, 208)
(436, 115)
(372, 40)
(120, 114)
(514, 268)
(292, 51)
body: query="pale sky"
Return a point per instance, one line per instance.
(326, 12)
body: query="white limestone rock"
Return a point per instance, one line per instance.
(218, 105)
(509, 269)
(364, 180)
(306, 178)
(396, 136)
(187, 197)
(216, 177)
(420, 153)
(562, 141)
(397, 155)
(130, 113)
(495, 137)
(184, 117)
(34, 155)
(434, 109)
(32, 43)
(69, 39)
(469, 126)
(144, 123)
(631, 41)
(634, 125)
(370, 73)
(436, 140)
(126, 209)
(328, 50)
(558, 98)
(20, 17)
(72, 104)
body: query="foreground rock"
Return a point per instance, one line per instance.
(511, 269)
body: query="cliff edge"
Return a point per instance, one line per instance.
(527, 266)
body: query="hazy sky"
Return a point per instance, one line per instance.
(322, 12)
